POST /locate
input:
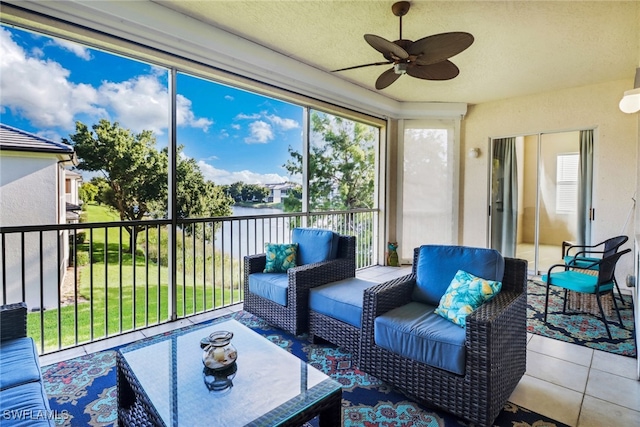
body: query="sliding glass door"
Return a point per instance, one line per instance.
(540, 195)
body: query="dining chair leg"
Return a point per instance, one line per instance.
(546, 303)
(604, 319)
(564, 302)
(615, 304)
(624, 303)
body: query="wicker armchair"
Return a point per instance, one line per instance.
(495, 349)
(21, 387)
(13, 321)
(294, 316)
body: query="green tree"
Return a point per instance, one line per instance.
(254, 192)
(235, 190)
(136, 173)
(341, 164)
(293, 201)
(104, 190)
(88, 192)
(241, 192)
(197, 197)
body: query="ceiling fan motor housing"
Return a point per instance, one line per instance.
(426, 58)
(400, 67)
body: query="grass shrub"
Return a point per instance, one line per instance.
(118, 292)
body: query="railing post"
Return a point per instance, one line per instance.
(172, 202)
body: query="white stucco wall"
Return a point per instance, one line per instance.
(30, 195)
(615, 162)
(28, 187)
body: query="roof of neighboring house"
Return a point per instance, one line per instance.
(18, 140)
(72, 174)
(280, 186)
(71, 207)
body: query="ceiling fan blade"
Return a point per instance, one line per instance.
(438, 47)
(385, 47)
(444, 70)
(363, 65)
(386, 78)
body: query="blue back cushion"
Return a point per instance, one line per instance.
(438, 264)
(315, 245)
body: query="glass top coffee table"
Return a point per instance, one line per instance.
(164, 383)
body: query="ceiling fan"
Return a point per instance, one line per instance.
(426, 58)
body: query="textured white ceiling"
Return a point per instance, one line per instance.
(520, 48)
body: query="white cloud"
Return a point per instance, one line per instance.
(224, 177)
(139, 103)
(50, 135)
(40, 91)
(260, 133)
(243, 116)
(187, 118)
(75, 48)
(283, 124)
(229, 97)
(142, 103)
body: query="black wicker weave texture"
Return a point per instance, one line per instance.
(294, 317)
(336, 332)
(495, 350)
(13, 321)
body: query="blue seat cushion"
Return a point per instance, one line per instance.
(576, 281)
(416, 332)
(25, 405)
(315, 245)
(19, 362)
(582, 262)
(272, 286)
(438, 264)
(341, 300)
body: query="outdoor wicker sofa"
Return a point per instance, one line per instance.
(23, 399)
(289, 309)
(493, 344)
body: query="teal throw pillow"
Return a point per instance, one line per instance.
(280, 257)
(465, 293)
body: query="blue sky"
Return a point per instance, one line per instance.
(47, 84)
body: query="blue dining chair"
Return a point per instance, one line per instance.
(584, 256)
(582, 279)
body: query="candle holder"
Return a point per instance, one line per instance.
(218, 352)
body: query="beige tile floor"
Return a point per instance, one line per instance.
(547, 255)
(572, 384)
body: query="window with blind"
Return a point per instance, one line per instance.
(567, 183)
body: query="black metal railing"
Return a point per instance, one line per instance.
(90, 281)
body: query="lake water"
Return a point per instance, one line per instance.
(247, 236)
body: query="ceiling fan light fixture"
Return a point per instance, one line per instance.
(400, 68)
(426, 58)
(630, 102)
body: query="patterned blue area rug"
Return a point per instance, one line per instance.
(577, 328)
(84, 388)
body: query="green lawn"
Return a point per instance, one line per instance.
(106, 291)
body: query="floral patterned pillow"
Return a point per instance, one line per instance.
(280, 257)
(465, 293)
